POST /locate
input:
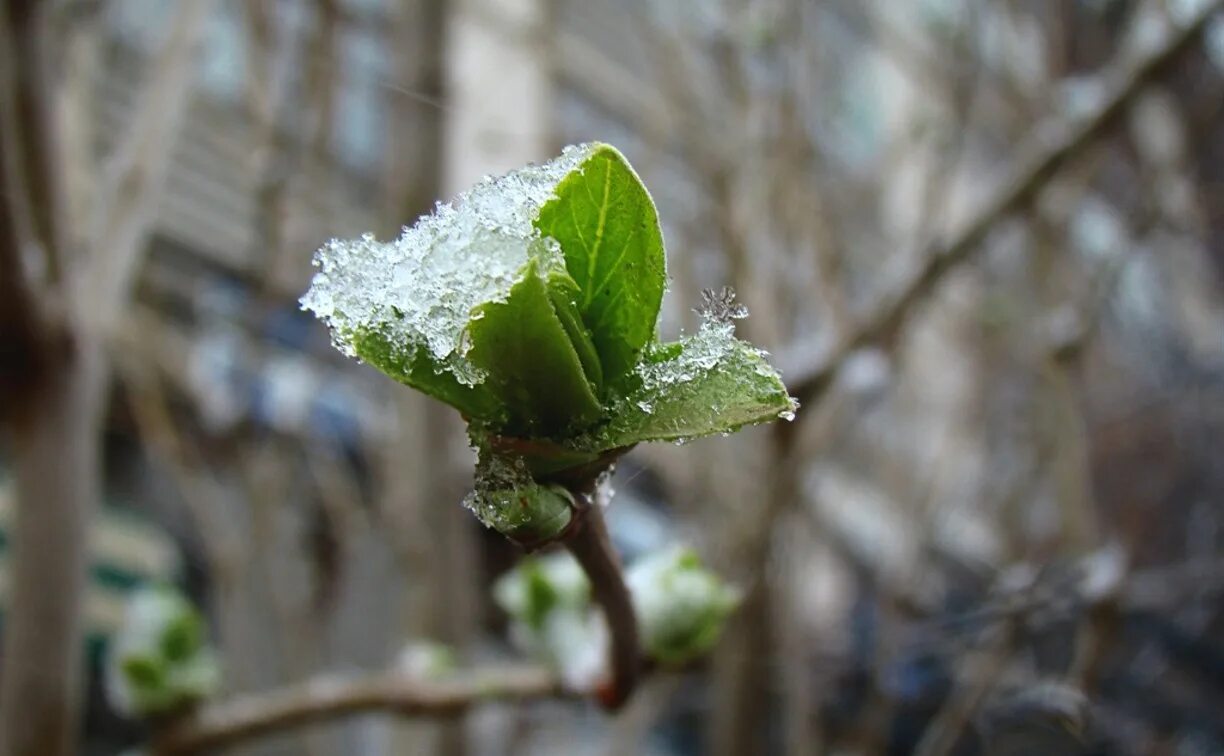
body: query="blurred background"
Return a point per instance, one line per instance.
(999, 510)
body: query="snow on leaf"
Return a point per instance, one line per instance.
(417, 293)
(704, 384)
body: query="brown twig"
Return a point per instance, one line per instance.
(28, 194)
(981, 675)
(586, 537)
(332, 696)
(811, 377)
(36, 158)
(591, 546)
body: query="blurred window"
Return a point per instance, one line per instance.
(360, 113)
(223, 59)
(142, 24)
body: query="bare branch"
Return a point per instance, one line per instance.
(19, 354)
(333, 696)
(131, 186)
(591, 546)
(810, 377)
(34, 133)
(980, 674)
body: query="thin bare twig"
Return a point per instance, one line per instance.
(592, 548)
(21, 355)
(35, 143)
(332, 696)
(811, 377)
(133, 179)
(982, 674)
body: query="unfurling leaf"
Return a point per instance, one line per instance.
(531, 304)
(607, 226)
(531, 363)
(705, 384)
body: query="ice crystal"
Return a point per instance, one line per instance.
(700, 354)
(499, 480)
(720, 305)
(419, 290)
(509, 500)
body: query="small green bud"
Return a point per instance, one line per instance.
(538, 586)
(552, 618)
(159, 661)
(681, 606)
(508, 499)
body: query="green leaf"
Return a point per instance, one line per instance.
(606, 224)
(143, 671)
(709, 383)
(183, 636)
(531, 363)
(564, 294)
(196, 678)
(540, 594)
(415, 368)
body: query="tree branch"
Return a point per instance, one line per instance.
(28, 198)
(588, 541)
(35, 139)
(810, 377)
(44, 407)
(332, 696)
(132, 183)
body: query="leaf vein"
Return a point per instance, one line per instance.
(593, 255)
(616, 263)
(578, 228)
(607, 308)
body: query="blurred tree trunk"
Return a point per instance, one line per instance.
(49, 410)
(53, 376)
(55, 449)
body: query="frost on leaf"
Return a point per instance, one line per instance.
(405, 305)
(530, 304)
(707, 383)
(549, 603)
(507, 499)
(681, 608)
